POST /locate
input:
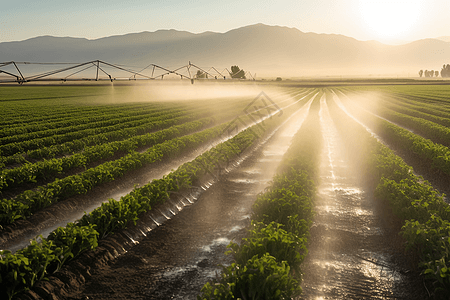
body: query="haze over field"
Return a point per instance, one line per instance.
(322, 38)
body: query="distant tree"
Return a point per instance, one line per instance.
(431, 73)
(200, 74)
(236, 72)
(445, 72)
(426, 73)
(278, 79)
(420, 73)
(436, 73)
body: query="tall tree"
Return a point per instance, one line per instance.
(236, 72)
(200, 74)
(420, 73)
(445, 72)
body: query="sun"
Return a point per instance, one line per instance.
(390, 19)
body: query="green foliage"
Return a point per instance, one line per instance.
(412, 199)
(426, 227)
(276, 242)
(21, 270)
(261, 277)
(432, 240)
(48, 255)
(81, 183)
(72, 240)
(288, 195)
(272, 239)
(15, 271)
(11, 210)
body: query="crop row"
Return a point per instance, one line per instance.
(78, 144)
(82, 142)
(440, 106)
(28, 202)
(430, 130)
(23, 205)
(430, 93)
(23, 114)
(426, 227)
(36, 143)
(98, 139)
(435, 109)
(427, 95)
(435, 155)
(17, 134)
(21, 270)
(47, 109)
(417, 113)
(401, 107)
(79, 117)
(267, 263)
(48, 169)
(38, 104)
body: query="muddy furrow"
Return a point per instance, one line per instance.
(352, 251)
(177, 258)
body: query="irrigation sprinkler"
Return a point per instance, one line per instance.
(73, 71)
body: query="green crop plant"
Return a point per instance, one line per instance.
(426, 228)
(273, 239)
(261, 277)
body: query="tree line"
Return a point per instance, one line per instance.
(445, 72)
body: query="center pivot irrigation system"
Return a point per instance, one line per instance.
(98, 70)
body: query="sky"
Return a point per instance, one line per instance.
(387, 21)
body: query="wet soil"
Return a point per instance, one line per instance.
(17, 235)
(355, 251)
(177, 258)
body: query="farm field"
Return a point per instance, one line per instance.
(134, 192)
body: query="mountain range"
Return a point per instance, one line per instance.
(262, 49)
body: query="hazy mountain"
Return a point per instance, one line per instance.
(266, 50)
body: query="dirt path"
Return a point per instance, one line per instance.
(176, 259)
(354, 251)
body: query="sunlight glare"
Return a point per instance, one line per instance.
(390, 19)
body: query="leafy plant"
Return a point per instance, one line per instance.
(259, 278)
(272, 239)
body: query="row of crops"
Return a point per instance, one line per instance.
(268, 262)
(430, 153)
(63, 151)
(111, 160)
(44, 256)
(423, 210)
